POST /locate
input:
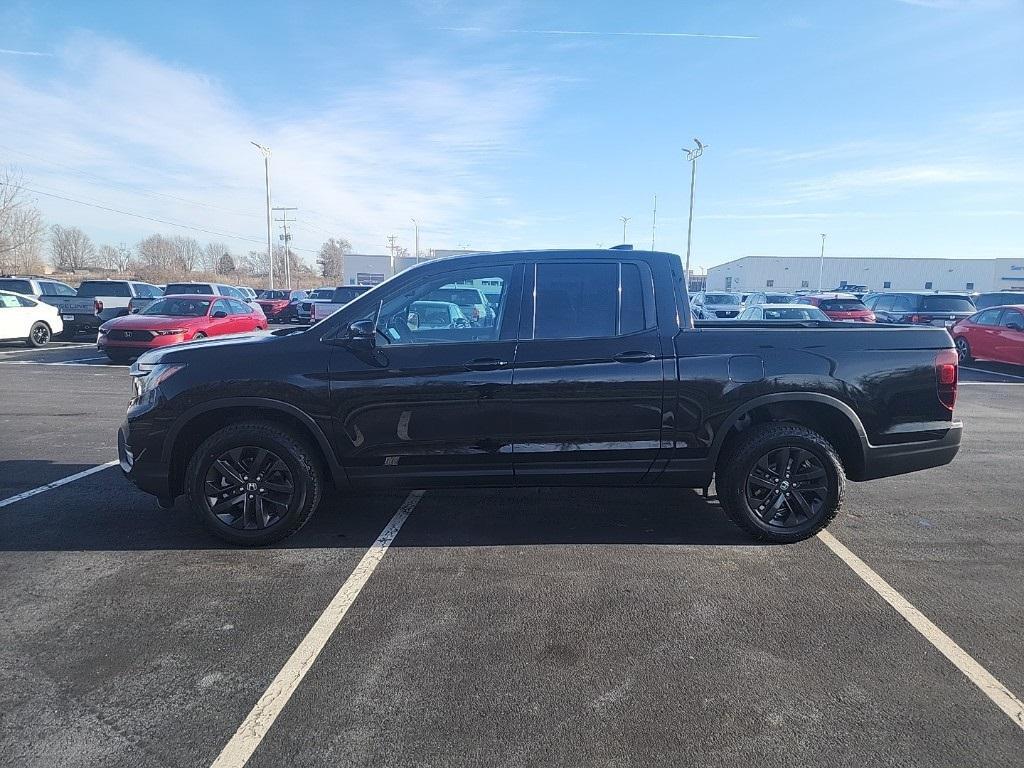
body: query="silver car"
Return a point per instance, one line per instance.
(709, 305)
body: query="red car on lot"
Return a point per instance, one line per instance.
(280, 306)
(996, 334)
(841, 306)
(175, 319)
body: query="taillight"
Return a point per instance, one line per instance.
(946, 376)
(97, 306)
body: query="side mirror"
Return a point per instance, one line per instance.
(1015, 326)
(361, 334)
(220, 313)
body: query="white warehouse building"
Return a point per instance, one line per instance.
(792, 273)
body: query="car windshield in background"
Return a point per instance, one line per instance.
(986, 300)
(721, 298)
(345, 295)
(322, 293)
(796, 313)
(947, 304)
(841, 305)
(174, 288)
(92, 289)
(781, 298)
(460, 296)
(178, 308)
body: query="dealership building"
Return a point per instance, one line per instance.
(791, 273)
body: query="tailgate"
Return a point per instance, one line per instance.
(70, 305)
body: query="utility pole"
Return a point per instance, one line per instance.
(654, 221)
(270, 246)
(624, 220)
(416, 237)
(691, 156)
(286, 238)
(391, 248)
(821, 263)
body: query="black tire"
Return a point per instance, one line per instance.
(39, 335)
(963, 349)
(768, 459)
(272, 514)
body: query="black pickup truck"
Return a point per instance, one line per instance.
(590, 372)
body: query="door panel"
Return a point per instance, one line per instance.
(586, 410)
(1009, 343)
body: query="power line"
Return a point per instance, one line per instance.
(155, 219)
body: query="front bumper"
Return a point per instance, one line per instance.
(141, 465)
(901, 458)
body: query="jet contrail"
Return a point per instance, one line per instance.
(24, 53)
(598, 34)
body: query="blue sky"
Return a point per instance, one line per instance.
(896, 127)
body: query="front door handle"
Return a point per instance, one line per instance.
(634, 357)
(486, 364)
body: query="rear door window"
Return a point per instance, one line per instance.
(1012, 317)
(902, 304)
(947, 304)
(575, 301)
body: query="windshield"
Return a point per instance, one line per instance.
(177, 288)
(461, 296)
(841, 305)
(94, 289)
(322, 293)
(781, 298)
(722, 298)
(275, 295)
(796, 313)
(987, 300)
(345, 295)
(178, 308)
(947, 304)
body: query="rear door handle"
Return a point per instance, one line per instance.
(634, 357)
(486, 364)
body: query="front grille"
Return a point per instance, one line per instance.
(726, 313)
(117, 335)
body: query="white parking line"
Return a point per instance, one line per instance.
(59, 362)
(977, 674)
(992, 373)
(57, 483)
(991, 384)
(255, 726)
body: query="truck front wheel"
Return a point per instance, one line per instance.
(254, 483)
(783, 482)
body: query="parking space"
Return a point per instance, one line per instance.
(503, 627)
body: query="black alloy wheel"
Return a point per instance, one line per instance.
(39, 335)
(787, 487)
(249, 488)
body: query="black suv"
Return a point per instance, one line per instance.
(921, 307)
(995, 299)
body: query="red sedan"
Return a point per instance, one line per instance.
(840, 306)
(996, 334)
(175, 319)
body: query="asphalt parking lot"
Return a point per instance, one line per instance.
(568, 627)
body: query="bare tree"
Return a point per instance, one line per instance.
(21, 226)
(71, 249)
(187, 252)
(106, 256)
(331, 259)
(212, 255)
(124, 258)
(225, 264)
(157, 254)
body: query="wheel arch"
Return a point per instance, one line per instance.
(830, 417)
(201, 421)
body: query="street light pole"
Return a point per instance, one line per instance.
(624, 220)
(691, 156)
(270, 246)
(416, 238)
(821, 263)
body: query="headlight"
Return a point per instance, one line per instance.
(146, 377)
(172, 332)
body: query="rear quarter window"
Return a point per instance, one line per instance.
(90, 289)
(16, 286)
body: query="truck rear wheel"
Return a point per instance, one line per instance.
(783, 482)
(254, 483)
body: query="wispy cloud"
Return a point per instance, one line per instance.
(956, 5)
(110, 124)
(11, 52)
(587, 33)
